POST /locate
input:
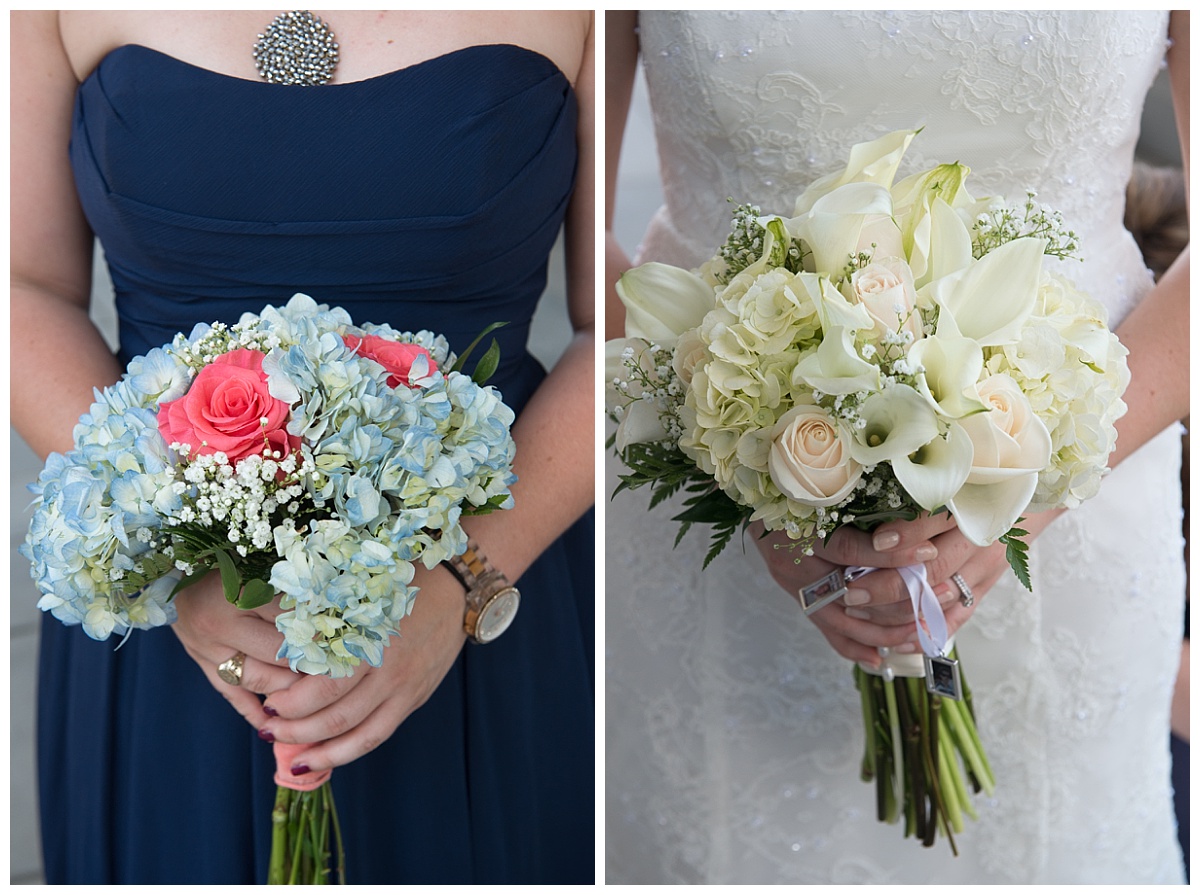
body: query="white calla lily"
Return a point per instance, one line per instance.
(935, 472)
(662, 302)
(992, 298)
(640, 422)
(836, 367)
(833, 227)
(986, 512)
(898, 422)
(872, 162)
(833, 308)
(940, 244)
(951, 365)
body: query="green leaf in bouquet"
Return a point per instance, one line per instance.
(495, 502)
(486, 368)
(714, 507)
(1017, 553)
(255, 593)
(462, 358)
(870, 521)
(231, 581)
(189, 580)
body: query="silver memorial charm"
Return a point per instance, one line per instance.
(942, 677)
(822, 592)
(297, 48)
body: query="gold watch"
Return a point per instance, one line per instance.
(491, 601)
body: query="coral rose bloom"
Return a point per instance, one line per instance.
(229, 408)
(395, 357)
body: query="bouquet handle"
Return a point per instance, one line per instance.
(304, 825)
(285, 754)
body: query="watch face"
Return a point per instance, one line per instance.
(497, 615)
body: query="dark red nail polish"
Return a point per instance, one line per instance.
(265, 734)
(267, 710)
(300, 770)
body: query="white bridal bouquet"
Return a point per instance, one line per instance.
(891, 349)
(295, 453)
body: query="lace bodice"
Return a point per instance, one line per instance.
(754, 107)
(734, 733)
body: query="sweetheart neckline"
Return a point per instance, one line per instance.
(444, 57)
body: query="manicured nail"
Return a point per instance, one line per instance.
(905, 648)
(858, 613)
(265, 734)
(856, 596)
(926, 553)
(942, 591)
(300, 770)
(267, 710)
(885, 540)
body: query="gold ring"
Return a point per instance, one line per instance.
(230, 670)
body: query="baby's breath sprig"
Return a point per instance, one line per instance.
(658, 385)
(1004, 223)
(744, 246)
(858, 261)
(221, 339)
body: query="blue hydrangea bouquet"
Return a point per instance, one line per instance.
(301, 457)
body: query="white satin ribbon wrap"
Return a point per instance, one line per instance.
(932, 634)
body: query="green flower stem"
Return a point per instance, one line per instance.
(967, 739)
(866, 691)
(960, 785)
(885, 791)
(893, 717)
(914, 779)
(300, 838)
(337, 833)
(951, 792)
(279, 837)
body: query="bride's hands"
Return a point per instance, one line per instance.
(876, 610)
(882, 613)
(348, 717)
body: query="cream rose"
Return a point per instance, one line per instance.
(810, 460)
(1011, 446)
(690, 352)
(885, 288)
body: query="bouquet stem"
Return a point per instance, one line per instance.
(305, 833)
(920, 751)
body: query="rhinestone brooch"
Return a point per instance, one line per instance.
(297, 48)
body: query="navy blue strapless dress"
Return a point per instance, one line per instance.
(425, 198)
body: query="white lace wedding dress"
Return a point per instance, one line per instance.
(733, 730)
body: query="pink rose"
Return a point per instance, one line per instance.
(395, 357)
(229, 408)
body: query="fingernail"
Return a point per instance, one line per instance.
(905, 648)
(265, 734)
(858, 613)
(942, 591)
(300, 770)
(926, 553)
(856, 597)
(885, 540)
(267, 710)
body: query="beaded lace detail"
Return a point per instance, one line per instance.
(734, 731)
